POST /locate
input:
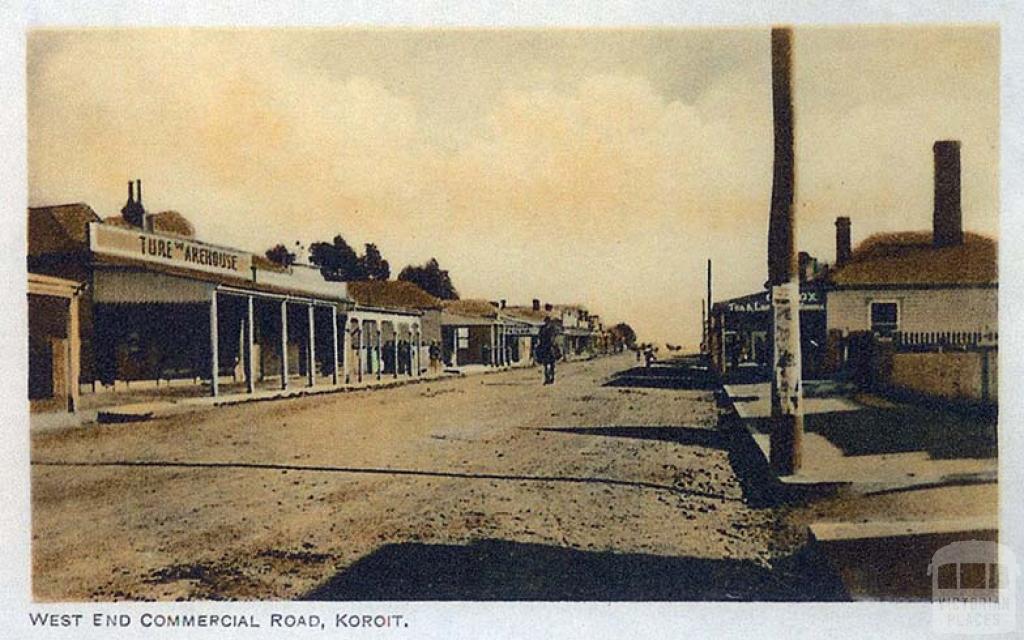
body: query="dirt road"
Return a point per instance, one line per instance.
(486, 487)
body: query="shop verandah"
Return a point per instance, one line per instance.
(381, 343)
(484, 342)
(254, 341)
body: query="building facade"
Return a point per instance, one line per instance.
(157, 306)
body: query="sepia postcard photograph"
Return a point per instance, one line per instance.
(333, 330)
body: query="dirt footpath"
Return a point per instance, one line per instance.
(486, 487)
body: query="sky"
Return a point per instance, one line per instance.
(599, 167)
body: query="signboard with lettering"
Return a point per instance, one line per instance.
(521, 330)
(182, 253)
(810, 300)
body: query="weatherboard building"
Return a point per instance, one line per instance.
(136, 300)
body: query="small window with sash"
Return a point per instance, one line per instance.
(885, 318)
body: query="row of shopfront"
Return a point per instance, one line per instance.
(114, 306)
(491, 333)
(739, 331)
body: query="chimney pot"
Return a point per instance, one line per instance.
(947, 218)
(843, 247)
(133, 211)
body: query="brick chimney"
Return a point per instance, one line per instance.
(947, 219)
(804, 266)
(843, 248)
(133, 211)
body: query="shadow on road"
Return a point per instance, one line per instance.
(683, 374)
(873, 431)
(501, 570)
(943, 434)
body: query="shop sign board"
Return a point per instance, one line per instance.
(521, 330)
(182, 253)
(810, 300)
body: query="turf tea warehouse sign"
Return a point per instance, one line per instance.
(176, 252)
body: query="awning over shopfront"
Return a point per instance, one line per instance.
(124, 286)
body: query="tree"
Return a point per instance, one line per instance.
(625, 333)
(431, 278)
(280, 254)
(373, 265)
(337, 260)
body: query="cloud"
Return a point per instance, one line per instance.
(601, 186)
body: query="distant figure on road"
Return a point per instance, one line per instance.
(648, 355)
(435, 357)
(547, 352)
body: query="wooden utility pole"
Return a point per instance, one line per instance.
(707, 318)
(783, 277)
(704, 328)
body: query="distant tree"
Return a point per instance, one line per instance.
(281, 255)
(337, 260)
(625, 333)
(373, 265)
(431, 278)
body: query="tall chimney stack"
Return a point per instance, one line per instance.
(947, 219)
(843, 247)
(133, 211)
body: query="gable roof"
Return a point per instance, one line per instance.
(169, 223)
(528, 314)
(172, 223)
(475, 308)
(392, 293)
(910, 258)
(59, 229)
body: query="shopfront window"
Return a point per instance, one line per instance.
(462, 333)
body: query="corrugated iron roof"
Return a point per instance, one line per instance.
(478, 308)
(392, 293)
(526, 314)
(59, 229)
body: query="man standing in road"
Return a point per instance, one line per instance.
(548, 352)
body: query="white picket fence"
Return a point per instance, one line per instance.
(927, 340)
